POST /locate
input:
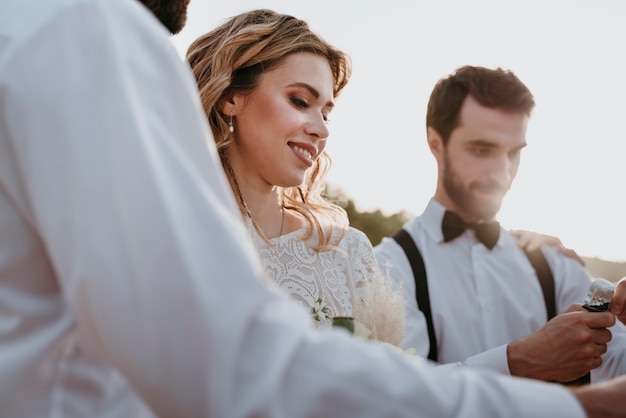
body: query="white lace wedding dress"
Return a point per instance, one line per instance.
(345, 280)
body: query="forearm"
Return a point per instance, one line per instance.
(329, 373)
(522, 364)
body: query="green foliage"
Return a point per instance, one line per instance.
(375, 225)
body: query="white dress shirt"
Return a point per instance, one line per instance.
(483, 299)
(124, 263)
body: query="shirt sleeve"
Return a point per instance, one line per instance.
(494, 359)
(115, 175)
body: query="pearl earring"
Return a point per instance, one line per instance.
(231, 128)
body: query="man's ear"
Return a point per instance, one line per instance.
(435, 142)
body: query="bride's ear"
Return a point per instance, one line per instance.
(231, 106)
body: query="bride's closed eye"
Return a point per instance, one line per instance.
(300, 103)
(304, 104)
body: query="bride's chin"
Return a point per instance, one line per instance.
(293, 182)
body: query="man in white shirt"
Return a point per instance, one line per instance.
(486, 303)
(128, 285)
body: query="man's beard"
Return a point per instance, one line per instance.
(463, 196)
(172, 13)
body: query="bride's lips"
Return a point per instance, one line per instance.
(304, 152)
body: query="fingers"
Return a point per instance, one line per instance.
(522, 237)
(565, 348)
(601, 337)
(600, 350)
(531, 241)
(598, 319)
(572, 254)
(574, 308)
(618, 304)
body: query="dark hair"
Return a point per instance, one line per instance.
(491, 88)
(171, 13)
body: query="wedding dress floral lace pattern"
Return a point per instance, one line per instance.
(341, 282)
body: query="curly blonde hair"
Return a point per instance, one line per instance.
(231, 59)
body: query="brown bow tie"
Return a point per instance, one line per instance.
(452, 226)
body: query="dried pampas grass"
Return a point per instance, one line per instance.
(380, 308)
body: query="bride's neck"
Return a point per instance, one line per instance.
(259, 202)
(265, 208)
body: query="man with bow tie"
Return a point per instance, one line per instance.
(474, 296)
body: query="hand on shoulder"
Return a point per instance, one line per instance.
(530, 241)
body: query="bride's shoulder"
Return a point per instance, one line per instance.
(353, 235)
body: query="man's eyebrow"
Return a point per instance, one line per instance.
(490, 144)
(311, 90)
(481, 142)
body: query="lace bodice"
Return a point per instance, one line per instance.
(342, 281)
(332, 276)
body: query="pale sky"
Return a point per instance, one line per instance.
(570, 53)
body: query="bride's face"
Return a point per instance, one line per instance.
(281, 128)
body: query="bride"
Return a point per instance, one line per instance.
(268, 85)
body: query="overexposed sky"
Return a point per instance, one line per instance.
(570, 53)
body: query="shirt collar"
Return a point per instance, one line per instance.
(432, 217)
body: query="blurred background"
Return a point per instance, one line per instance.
(570, 53)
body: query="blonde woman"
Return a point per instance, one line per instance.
(268, 85)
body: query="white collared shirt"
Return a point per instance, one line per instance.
(483, 299)
(128, 284)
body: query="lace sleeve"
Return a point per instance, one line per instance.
(361, 255)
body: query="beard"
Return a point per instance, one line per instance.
(171, 13)
(463, 195)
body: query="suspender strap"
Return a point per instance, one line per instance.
(546, 279)
(421, 286)
(544, 274)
